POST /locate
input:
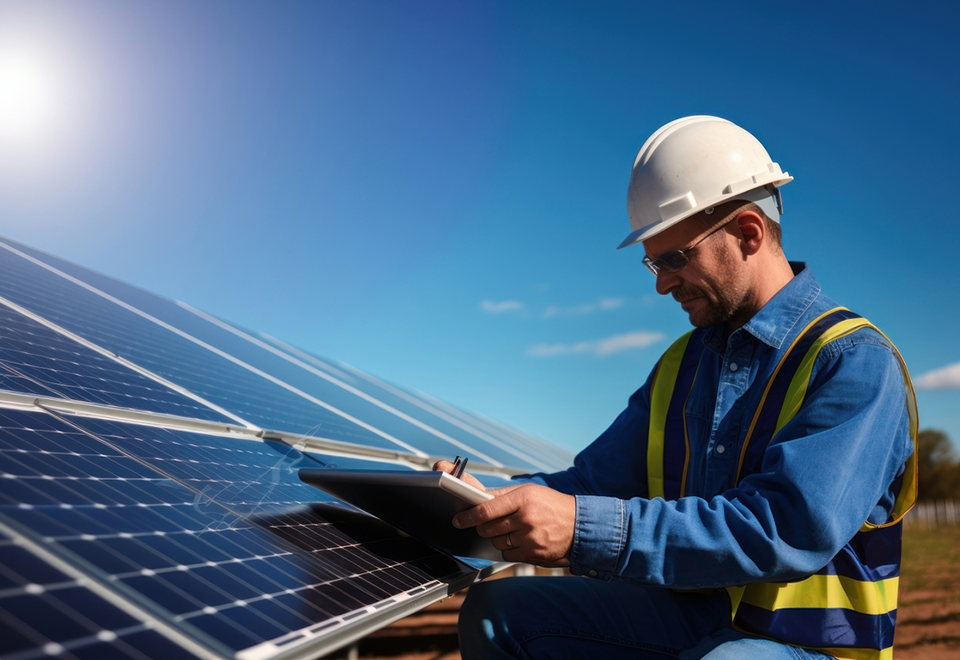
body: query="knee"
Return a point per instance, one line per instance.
(480, 606)
(483, 627)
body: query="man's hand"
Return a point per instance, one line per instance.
(527, 523)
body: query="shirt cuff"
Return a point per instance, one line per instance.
(598, 536)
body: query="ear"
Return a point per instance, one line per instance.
(752, 232)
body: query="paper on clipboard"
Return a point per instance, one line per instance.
(422, 504)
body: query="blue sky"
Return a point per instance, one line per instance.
(434, 191)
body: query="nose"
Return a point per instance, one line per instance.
(667, 282)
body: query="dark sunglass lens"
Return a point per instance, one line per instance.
(672, 262)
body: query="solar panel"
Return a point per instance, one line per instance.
(46, 610)
(257, 381)
(149, 499)
(41, 361)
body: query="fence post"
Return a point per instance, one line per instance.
(929, 515)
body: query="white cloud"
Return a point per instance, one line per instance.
(491, 307)
(550, 350)
(600, 347)
(944, 378)
(630, 340)
(604, 304)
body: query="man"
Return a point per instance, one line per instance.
(747, 503)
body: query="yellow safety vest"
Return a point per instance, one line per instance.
(847, 609)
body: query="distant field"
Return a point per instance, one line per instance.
(928, 617)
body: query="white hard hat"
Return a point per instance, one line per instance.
(693, 164)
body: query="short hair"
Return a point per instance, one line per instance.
(772, 226)
(775, 231)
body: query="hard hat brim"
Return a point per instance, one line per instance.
(638, 236)
(756, 195)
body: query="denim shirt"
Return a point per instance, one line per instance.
(826, 472)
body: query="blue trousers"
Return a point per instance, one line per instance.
(568, 617)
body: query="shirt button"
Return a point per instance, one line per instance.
(592, 573)
(721, 449)
(733, 366)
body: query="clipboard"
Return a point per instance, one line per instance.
(422, 504)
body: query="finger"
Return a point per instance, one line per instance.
(451, 469)
(502, 543)
(499, 527)
(498, 507)
(517, 554)
(443, 466)
(497, 492)
(472, 480)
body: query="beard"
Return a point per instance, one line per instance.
(725, 295)
(708, 308)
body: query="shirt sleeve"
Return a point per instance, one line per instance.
(826, 472)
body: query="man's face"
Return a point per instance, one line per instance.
(711, 288)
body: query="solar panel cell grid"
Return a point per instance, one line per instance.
(214, 534)
(171, 356)
(43, 362)
(45, 612)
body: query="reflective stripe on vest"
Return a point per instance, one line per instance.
(847, 609)
(667, 461)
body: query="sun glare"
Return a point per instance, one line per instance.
(26, 98)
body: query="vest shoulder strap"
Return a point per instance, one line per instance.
(666, 463)
(787, 389)
(784, 389)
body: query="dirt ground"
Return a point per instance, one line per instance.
(928, 613)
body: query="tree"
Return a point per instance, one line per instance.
(938, 465)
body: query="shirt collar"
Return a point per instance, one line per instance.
(776, 320)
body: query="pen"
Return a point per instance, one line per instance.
(458, 466)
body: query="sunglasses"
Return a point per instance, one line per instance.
(676, 260)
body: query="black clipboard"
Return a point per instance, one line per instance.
(422, 504)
